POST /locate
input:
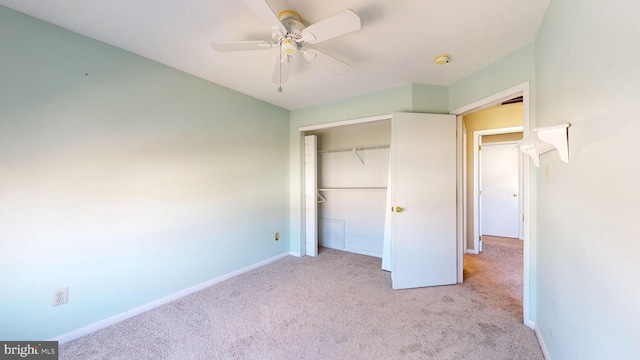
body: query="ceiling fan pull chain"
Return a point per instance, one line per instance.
(280, 72)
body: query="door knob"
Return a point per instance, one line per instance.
(399, 209)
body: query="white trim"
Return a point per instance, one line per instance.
(507, 130)
(498, 143)
(528, 210)
(460, 208)
(345, 122)
(465, 196)
(362, 252)
(311, 195)
(86, 330)
(471, 251)
(543, 345)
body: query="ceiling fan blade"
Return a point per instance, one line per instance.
(262, 10)
(282, 68)
(241, 45)
(326, 62)
(340, 24)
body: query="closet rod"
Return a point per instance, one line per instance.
(355, 149)
(353, 188)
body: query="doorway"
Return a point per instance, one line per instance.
(528, 210)
(481, 138)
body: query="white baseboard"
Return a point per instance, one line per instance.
(86, 330)
(471, 251)
(543, 345)
(530, 324)
(363, 252)
(296, 254)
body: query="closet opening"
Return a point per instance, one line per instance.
(352, 177)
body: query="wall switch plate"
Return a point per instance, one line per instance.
(60, 296)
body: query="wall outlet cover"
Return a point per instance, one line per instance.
(60, 296)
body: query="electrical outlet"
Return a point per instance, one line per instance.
(60, 296)
(277, 236)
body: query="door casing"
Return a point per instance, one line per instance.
(477, 199)
(528, 210)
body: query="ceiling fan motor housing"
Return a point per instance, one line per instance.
(292, 40)
(291, 20)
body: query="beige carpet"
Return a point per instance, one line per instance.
(335, 306)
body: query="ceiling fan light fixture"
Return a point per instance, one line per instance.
(289, 47)
(442, 59)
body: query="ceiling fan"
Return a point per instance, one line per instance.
(293, 38)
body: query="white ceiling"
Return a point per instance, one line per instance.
(396, 45)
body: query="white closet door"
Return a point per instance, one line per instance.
(423, 162)
(311, 194)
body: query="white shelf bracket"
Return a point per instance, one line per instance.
(358, 155)
(545, 139)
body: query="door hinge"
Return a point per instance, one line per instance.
(522, 217)
(479, 147)
(479, 192)
(479, 238)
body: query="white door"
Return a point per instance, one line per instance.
(311, 194)
(499, 169)
(423, 173)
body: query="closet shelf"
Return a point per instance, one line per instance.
(544, 139)
(355, 150)
(376, 147)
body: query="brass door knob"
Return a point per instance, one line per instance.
(399, 209)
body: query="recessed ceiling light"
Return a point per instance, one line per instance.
(441, 59)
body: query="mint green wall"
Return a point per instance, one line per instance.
(430, 99)
(412, 97)
(588, 239)
(513, 69)
(124, 179)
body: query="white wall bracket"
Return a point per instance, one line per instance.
(545, 139)
(358, 155)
